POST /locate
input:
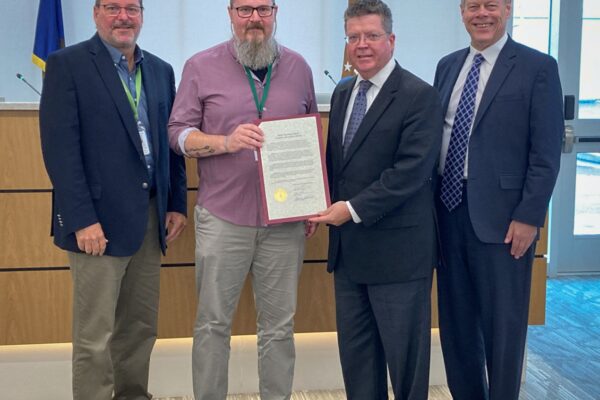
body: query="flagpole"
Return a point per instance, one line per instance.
(347, 68)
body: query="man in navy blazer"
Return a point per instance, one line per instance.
(117, 190)
(493, 197)
(382, 241)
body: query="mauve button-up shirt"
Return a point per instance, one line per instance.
(214, 96)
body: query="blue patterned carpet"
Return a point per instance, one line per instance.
(564, 355)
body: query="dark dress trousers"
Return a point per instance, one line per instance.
(383, 265)
(86, 116)
(513, 162)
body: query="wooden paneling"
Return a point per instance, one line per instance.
(21, 163)
(537, 302)
(191, 169)
(315, 313)
(181, 251)
(541, 246)
(434, 303)
(35, 307)
(177, 302)
(316, 302)
(316, 246)
(26, 240)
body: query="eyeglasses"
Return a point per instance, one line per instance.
(247, 11)
(368, 37)
(113, 10)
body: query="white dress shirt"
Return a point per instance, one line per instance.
(490, 56)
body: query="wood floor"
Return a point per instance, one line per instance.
(563, 355)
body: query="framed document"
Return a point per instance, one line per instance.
(292, 169)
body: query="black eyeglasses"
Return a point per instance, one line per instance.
(247, 11)
(113, 10)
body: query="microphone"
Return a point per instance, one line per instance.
(22, 78)
(330, 77)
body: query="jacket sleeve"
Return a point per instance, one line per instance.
(178, 185)
(61, 145)
(546, 127)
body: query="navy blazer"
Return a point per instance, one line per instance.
(387, 177)
(515, 144)
(93, 153)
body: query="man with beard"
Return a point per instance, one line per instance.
(117, 189)
(223, 90)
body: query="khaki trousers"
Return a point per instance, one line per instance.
(225, 255)
(115, 314)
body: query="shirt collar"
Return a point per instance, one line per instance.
(118, 57)
(380, 77)
(491, 53)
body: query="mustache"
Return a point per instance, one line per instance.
(120, 25)
(255, 25)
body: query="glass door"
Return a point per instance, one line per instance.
(575, 212)
(570, 31)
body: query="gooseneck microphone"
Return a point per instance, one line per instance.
(22, 78)
(330, 77)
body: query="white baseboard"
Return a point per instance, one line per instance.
(44, 371)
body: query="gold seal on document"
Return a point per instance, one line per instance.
(280, 195)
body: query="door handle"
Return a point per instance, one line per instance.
(568, 139)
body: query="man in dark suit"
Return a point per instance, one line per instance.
(117, 189)
(499, 161)
(382, 234)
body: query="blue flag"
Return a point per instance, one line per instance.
(49, 32)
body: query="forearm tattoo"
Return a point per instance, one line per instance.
(203, 151)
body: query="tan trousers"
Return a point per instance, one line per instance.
(225, 255)
(115, 314)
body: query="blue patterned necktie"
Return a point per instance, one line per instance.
(452, 178)
(359, 109)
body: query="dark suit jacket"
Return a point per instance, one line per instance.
(387, 177)
(514, 149)
(93, 152)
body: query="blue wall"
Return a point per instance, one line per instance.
(176, 29)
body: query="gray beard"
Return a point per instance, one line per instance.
(256, 55)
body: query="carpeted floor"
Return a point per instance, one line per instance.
(563, 355)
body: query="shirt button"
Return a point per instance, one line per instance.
(145, 185)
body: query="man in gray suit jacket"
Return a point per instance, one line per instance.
(384, 138)
(499, 162)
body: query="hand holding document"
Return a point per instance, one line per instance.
(292, 169)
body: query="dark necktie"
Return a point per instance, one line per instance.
(359, 109)
(452, 177)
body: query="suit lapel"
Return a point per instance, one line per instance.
(148, 77)
(339, 108)
(453, 73)
(504, 64)
(382, 101)
(109, 75)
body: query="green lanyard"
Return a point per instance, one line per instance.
(259, 105)
(138, 90)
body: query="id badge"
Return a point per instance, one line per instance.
(144, 137)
